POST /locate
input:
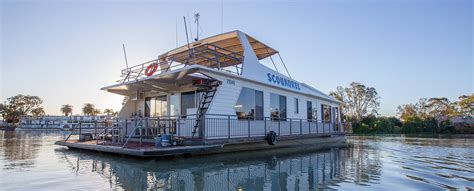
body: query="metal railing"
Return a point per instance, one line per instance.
(216, 57)
(214, 127)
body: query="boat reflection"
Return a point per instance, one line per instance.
(325, 169)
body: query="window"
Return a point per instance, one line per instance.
(326, 113)
(187, 101)
(258, 105)
(309, 110)
(297, 102)
(174, 105)
(336, 114)
(156, 106)
(277, 107)
(249, 104)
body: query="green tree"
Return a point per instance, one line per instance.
(110, 112)
(465, 105)
(67, 109)
(358, 100)
(407, 111)
(88, 109)
(439, 107)
(38, 112)
(96, 112)
(20, 105)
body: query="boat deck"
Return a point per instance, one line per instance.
(135, 149)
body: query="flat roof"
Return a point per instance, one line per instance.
(228, 43)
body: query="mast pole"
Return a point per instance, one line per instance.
(125, 54)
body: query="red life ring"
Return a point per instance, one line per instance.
(151, 69)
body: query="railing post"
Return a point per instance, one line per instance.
(317, 127)
(203, 126)
(301, 126)
(309, 127)
(248, 126)
(265, 126)
(179, 125)
(228, 128)
(290, 127)
(324, 125)
(278, 126)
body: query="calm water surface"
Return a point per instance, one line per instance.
(30, 161)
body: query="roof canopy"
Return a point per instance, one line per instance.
(225, 48)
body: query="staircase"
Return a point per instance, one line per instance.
(209, 87)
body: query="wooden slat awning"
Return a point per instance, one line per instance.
(226, 45)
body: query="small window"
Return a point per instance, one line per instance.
(297, 108)
(326, 113)
(309, 110)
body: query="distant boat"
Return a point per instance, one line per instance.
(60, 122)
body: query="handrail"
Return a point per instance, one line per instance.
(137, 71)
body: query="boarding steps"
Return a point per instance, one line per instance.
(110, 134)
(209, 88)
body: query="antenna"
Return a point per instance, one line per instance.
(125, 54)
(190, 30)
(186, 29)
(222, 16)
(176, 31)
(196, 20)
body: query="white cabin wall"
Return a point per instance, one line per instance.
(127, 109)
(227, 95)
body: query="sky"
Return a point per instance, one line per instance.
(64, 52)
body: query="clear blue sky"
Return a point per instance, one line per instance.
(406, 49)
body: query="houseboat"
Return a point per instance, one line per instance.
(213, 96)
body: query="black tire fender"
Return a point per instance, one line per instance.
(272, 138)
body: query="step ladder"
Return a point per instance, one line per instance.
(209, 92)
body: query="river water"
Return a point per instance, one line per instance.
(29, 160)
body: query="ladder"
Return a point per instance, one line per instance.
(206, 99)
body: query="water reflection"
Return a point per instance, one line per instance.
(241, 171)
(370, 163)
(20, 148)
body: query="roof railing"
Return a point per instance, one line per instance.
(208, 55)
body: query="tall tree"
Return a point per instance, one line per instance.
(88, 109)
(407, 111)
(358, 100)
(20, 105)
(109, 112)
(439, 107)
(96, 112)
(66, 109)
(465, 105)
(38, 112)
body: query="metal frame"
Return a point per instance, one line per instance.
(216, 56)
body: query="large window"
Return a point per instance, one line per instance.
(156, 106)
(249, 104)
(174, 105)
(277, 107)
(326, 113)
(189, 100)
